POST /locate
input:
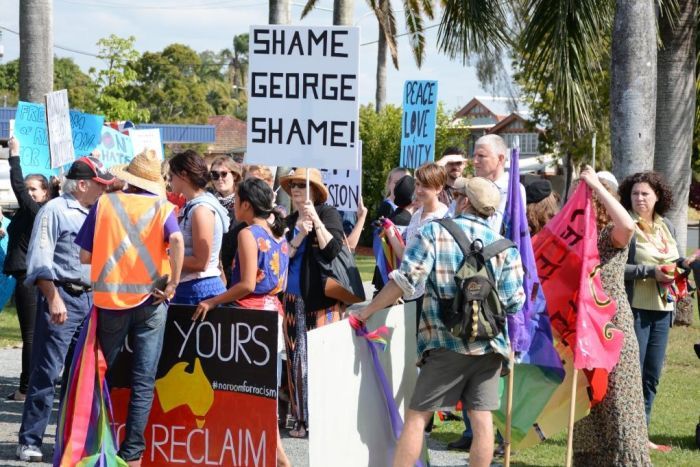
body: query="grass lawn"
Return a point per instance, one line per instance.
(366, 266)
(9, 327)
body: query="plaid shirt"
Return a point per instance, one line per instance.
(434, 256)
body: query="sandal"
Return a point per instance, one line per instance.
(299, 431)
(660, 447)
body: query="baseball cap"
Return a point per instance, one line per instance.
(89, 168)
(482, 194)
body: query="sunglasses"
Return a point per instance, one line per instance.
(300, 185)
(215, 175)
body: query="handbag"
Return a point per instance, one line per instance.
(341, 278)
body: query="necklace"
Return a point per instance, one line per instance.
(656, 239)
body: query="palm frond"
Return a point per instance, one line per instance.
(414, 23)
(472, 26)
(387, 25)
(428, 8)
(310, 5)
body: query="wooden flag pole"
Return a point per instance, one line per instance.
(509, 412)
(572, 413)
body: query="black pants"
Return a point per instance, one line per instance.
(25, 299)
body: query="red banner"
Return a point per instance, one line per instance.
(568, 266)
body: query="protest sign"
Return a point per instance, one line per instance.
(115, 147)
(30, 131)
(215, 400)
(147, 138)
(303, 99)
(58, 124)
(418, 123)
(12, 128)
(344, 185)
(358, 432)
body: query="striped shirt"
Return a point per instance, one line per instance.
(434, 258)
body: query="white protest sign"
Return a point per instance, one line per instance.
(344, 185)
(59, 128)
(359, 431)
(12, 128)
(303, 96)
(147, 138)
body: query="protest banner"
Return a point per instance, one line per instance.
(59, 126)
(147, 138)
(344, 185)
(303, 118)
(359, 431)
(7, 282)
(115, 147)
(31, 132)
(215, 400)
(418, 123)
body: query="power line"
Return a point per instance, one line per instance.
(56, 46)
(432, 26)
(225, 4)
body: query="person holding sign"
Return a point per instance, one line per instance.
(203, 222)
(31, 193)
(315, 233)
(260, 269)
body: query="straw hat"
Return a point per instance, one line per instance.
(143, 171)
(315, 180)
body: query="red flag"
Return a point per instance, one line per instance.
(568, 266)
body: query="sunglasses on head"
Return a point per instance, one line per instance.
(301, 185)
(215, 175)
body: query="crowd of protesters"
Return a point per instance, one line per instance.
(214, 235)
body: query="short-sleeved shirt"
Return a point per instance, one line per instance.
(273, 262)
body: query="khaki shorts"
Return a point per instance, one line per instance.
(447, 377)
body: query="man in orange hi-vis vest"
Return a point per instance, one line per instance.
(136, 267)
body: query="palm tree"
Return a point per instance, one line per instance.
(35, 49)
(674, 106)
(414, 11)
(342, 12)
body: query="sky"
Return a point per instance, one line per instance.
(211, 25)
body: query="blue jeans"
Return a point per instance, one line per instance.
(652, 329)
(145, 327)
(52, 348)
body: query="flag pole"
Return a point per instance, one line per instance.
(509, 413)
(308, 195)
(593, 145)
(572, 413)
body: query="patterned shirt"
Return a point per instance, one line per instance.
(434, 258)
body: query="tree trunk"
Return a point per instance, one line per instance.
(35, 49)
(342, 12)
(633, 87)
(380, 94)
(675, 108)
(281, 13)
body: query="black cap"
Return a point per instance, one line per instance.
(403, 191)
(89, 168)
(537, 190)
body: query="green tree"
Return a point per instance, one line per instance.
(114, 80)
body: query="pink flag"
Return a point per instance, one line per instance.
(568, 266)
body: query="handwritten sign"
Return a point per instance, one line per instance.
(31, 132)
(303, 99)
(418, 123)
(215, 397)
(147, 138)
(115, 148)
(58, 122)
(344, 186)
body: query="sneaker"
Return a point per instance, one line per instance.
(17, 396)
(29, 453)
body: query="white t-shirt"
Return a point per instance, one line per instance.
(496, 221)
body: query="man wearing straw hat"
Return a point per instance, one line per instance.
(133, 277)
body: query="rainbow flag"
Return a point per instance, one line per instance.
(84, 436)
(384, 254)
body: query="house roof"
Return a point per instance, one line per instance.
(230, 134)
(514, 117)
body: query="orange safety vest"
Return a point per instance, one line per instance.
(129, 253)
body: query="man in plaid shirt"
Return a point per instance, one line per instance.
(452, 369)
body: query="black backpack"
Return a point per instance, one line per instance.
(475, 312)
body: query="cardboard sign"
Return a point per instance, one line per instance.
(58, 123)
(418, 123)
(115, 148)
(303, 97)
(215, 399)
(147, 138)
(342, 382)
(31, 132)
(344, 188)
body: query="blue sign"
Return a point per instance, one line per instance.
(115, 148)
(31, 132)
(7, 283)
(418, 123)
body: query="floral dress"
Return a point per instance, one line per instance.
(615, 432)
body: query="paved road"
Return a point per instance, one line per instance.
(11, 414)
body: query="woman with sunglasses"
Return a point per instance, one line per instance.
(203, 222)
(225, 174)
(315, 233)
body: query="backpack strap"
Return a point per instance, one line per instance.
(458, 234)
(496, 248)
